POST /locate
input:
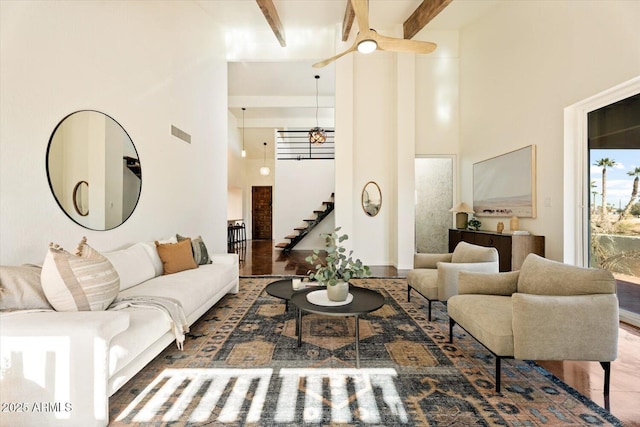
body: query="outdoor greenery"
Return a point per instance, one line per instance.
(607, 223)
(340, 265)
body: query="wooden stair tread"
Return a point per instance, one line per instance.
(311, 223)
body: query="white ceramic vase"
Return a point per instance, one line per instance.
(338, 292)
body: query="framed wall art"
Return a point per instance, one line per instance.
(505, 185)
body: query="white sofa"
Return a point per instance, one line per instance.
(60, 368)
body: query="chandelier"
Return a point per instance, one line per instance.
(317, 135)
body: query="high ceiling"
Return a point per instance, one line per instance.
(276, 84)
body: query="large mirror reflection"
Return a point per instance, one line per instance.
(94, 170)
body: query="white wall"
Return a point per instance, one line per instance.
(521, 65)
(300, 188)
(147, 64)
(387, 113)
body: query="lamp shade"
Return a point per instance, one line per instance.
(462, 207)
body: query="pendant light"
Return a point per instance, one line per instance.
(244, 152)
(264, 170)
(317, 135)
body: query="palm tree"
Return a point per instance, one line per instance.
(634, 193)
(604, 164)
(595, 193)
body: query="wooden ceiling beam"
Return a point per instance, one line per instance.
(271, 15)
(347, 22)
(423, 14)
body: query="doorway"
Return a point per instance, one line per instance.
(614, 211)
(261, 212)
(585, 148)
(434, 184)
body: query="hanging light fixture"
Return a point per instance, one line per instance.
(264, 170)
(244, 153)
(317, 135)
(367, 46)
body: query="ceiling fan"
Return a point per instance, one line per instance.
(368, 39)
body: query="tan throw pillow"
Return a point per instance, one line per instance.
(20, 288)
(176, 256)
(199, 249)
(85, 281)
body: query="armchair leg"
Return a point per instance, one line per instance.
(429, 310)
(607, 376)
(408, 293)
(452, 323)
(498, 360)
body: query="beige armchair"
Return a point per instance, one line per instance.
(546, 311)
(435, 276)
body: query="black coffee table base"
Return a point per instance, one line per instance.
(364, 301)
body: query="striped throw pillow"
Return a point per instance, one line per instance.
(83, 282)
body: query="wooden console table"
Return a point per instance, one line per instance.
(512, 249)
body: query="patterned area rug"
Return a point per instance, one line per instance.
(241, 366)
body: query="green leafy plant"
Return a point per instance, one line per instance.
(340, 265)
(474, 223)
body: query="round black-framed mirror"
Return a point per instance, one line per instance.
(371, 198)
(88, 146)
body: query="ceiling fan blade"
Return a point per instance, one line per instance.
(403, 45)
(361, 10)
(333, 58)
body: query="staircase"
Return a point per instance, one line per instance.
(311, 223)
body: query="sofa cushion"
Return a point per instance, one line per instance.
(133, 265)
(176, 257)
(541, 276)
(201, 284)
(487, 318)
(199, 249)
(83, 282)
(466, 252)
(20, 288)
(424, 281)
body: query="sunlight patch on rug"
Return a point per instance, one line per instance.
(223, 394)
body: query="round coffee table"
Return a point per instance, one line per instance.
(364, 301)
(283, 289)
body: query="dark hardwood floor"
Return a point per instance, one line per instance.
(259, 258)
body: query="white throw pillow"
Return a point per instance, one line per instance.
(20, 288)
(152, 251)
(83, 282)
(134, 265)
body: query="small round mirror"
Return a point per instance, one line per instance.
(371, 198)
(81, 198)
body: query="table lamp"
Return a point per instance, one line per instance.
(462, 214)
